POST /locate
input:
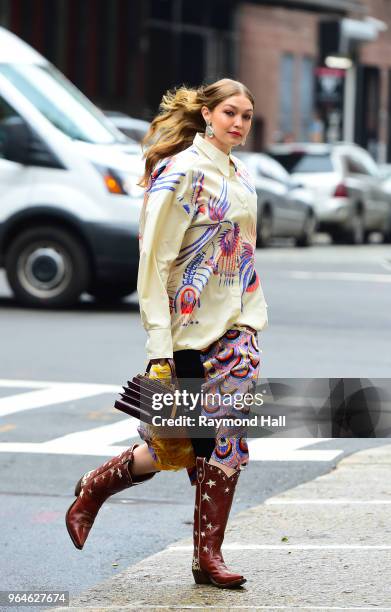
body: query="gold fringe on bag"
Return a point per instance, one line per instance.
(172, 453)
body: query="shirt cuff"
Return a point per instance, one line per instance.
(159, 344)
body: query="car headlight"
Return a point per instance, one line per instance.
(130, 185)
(120, 183)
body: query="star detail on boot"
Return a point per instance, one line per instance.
(196, 533)
(206, 497)
(209, 526)
(196, 507)
(204, 517)
(81, 493)
(211, 483)
(202, 534)
(227, 490)
(205, 549)
(119, 473)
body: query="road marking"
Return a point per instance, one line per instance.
(56, 393)
(231, 607)
(238, 546)
(96, 442)
(342, 276)
(287, 502)
(286, 449)
(101, 441)
(39, 384)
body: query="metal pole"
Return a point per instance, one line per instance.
(349, 111)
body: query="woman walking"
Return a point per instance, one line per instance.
(201, 304)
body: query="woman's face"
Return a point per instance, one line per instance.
(231, 121)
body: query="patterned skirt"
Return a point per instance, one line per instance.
(230, 368)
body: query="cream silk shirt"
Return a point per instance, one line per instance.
(197, 274)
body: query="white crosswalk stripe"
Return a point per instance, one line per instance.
(101, 441)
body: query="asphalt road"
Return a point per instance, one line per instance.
(329, 316)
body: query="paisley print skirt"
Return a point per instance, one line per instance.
(230, 367)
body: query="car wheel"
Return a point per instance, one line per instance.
(265, 229)
(106, 293)
(309, 229)
(47, 267)
(356, 233)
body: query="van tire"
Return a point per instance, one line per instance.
(47, 267)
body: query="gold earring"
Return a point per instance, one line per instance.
(243, 142)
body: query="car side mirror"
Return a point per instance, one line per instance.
(15, 136)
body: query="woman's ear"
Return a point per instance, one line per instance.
(205, 113)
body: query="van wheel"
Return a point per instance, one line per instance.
(47, 267)
(110, 294)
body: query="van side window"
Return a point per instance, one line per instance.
(6, 112)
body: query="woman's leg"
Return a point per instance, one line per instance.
(190, 374)
(96, 486)
(229, 471)
(231, 365)
(143, 462)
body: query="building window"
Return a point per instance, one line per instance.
(306, 97)
(286, 96)
(198, 42)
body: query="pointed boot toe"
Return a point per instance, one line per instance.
(78, 525)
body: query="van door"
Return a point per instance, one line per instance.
(16, 180)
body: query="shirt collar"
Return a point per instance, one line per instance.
(222, 160)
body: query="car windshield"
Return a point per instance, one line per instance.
(304, 162)
(62, 103)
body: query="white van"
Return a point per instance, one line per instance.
(70, 203)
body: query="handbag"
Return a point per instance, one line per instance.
(142, 393)
(171, 445)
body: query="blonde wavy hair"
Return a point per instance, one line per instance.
(180, 118)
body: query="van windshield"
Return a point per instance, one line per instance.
(62, 103)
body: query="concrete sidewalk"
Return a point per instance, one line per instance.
(325, 544)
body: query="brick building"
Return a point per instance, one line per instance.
(279, 60)
(125, 53)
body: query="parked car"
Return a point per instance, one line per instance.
(386, 186)
(135, 129)
(345, 182)
(70, 203)
(284, 208)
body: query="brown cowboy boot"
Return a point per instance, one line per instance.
(98, 471)
(214, 494)
(95, 488)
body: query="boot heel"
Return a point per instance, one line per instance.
(201, 577)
